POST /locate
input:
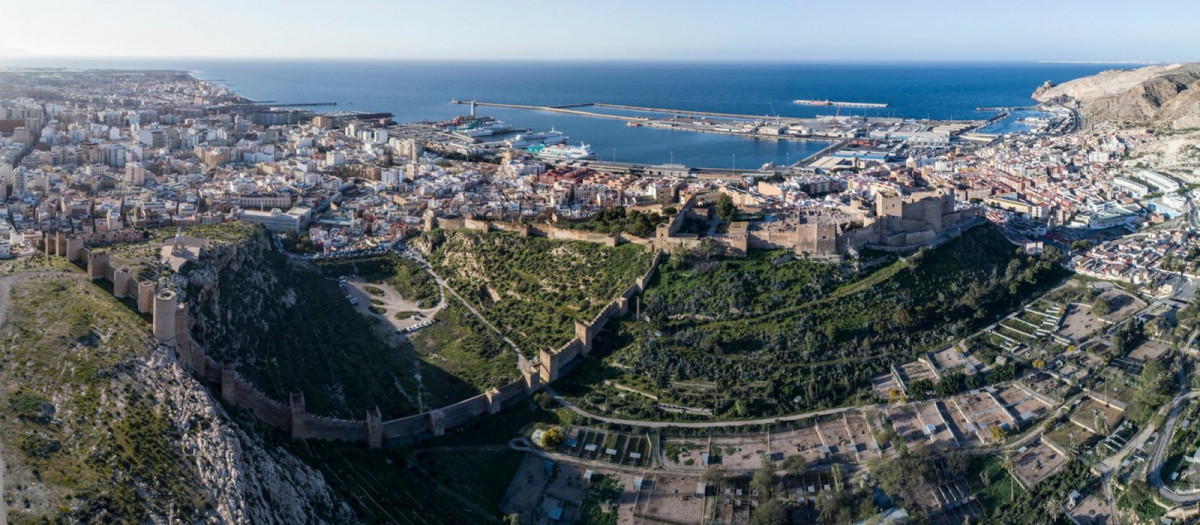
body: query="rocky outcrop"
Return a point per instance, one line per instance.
(246, 480)
(1160, 96)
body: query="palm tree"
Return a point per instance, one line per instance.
(1010, 466)
(836, 472)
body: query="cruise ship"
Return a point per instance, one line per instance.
(545, 138)
(563, 152)
(483, 130)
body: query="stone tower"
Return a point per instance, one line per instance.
(165, 305)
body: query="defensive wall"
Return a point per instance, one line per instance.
(171, 325)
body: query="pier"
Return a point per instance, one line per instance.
(809, 102)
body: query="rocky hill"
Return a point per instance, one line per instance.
(100, 426)
(1160, 96)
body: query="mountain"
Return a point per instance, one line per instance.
(1160, 96)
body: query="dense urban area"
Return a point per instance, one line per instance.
(220, 310)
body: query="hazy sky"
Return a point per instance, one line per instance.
(774, 30)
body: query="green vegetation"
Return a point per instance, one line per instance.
(84, 441)
(758, 336)
(289, 329)
(614, 220)
(600, 505)
(1005, 502)
(534, 289)
(461, 357)
(413, 282)
(1139, 498)
(463, 484)
(36, 263)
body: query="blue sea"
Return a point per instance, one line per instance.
(422, 91)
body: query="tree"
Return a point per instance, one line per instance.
(764, 478)
(726, 210)
(713, 475)
(1010, 466)
(774, 512)
(998, 433)
(1081, 245)
(1100, 307)
(795, 465)
(552, 438)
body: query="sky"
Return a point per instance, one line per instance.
(691, 30)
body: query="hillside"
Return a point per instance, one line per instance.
(100, 426)
(534, 289)
(289, 328)
(1160, 96)
(759, 336)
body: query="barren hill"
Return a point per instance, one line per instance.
(1166, 96)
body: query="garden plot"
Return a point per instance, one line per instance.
(803, 441)
(907, 426)
(1038, 462)
(1148, 349)
(915, 370)
(883, 385)
(685, 453)
(614, 447)
(1079, 322)
(836, 437)
(1095, 417)
(740, 453)
(669, 499)
(1093, 510)
(931, 416)
(1021, 403)
(952, 358)
(860, 432)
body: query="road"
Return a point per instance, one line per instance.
(700, 424)
(1154, 469)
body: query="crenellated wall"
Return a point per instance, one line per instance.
(172, 324)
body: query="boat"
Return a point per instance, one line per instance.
(479, 129)
(562, 152)
(633, 124)
(545, 138)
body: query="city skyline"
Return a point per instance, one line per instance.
(875, 31)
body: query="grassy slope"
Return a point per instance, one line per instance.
(780, 339)
(543, 286)
(341, 360)
(78, 430)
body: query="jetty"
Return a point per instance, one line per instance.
(810, 102)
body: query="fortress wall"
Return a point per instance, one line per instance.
(585, 236)
(406, 427)
(451, 224)
(465, 411)
(511, 393)
(553, 360)
(269, 411)
(472, 224)
(519, 228)
(317, 427)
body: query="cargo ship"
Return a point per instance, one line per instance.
(562, 152)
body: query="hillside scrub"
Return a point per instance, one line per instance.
(534, 289)
(799, 335)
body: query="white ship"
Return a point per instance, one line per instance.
(545, 138)
(484, 130)
(563, 152)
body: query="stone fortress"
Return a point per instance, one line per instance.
(172, 324)
(893, 222)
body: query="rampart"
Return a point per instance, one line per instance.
(172, 324)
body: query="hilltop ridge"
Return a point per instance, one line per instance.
(1162, 96)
